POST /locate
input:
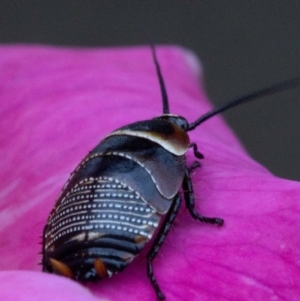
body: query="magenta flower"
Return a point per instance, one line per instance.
(58, 103)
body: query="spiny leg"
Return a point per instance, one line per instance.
(190, 202)
(46, 266)
(161, 236)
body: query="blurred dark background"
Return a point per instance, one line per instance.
(243, 45)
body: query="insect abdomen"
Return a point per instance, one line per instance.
(99, 218)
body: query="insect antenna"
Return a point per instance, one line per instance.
(286, 85)
(163, 90)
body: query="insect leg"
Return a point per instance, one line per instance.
(194, 165)
(166, 226)
(45, 264)
(190, 203)
(196, 152)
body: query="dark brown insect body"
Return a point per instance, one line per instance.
(115, 199)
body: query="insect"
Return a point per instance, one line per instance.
(126, 193)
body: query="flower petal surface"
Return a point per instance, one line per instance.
(58, 103)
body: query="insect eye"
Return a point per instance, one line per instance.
(181, 122)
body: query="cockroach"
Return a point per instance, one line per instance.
(125, 192)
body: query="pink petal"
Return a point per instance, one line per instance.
(58, 103)
(36, 286)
